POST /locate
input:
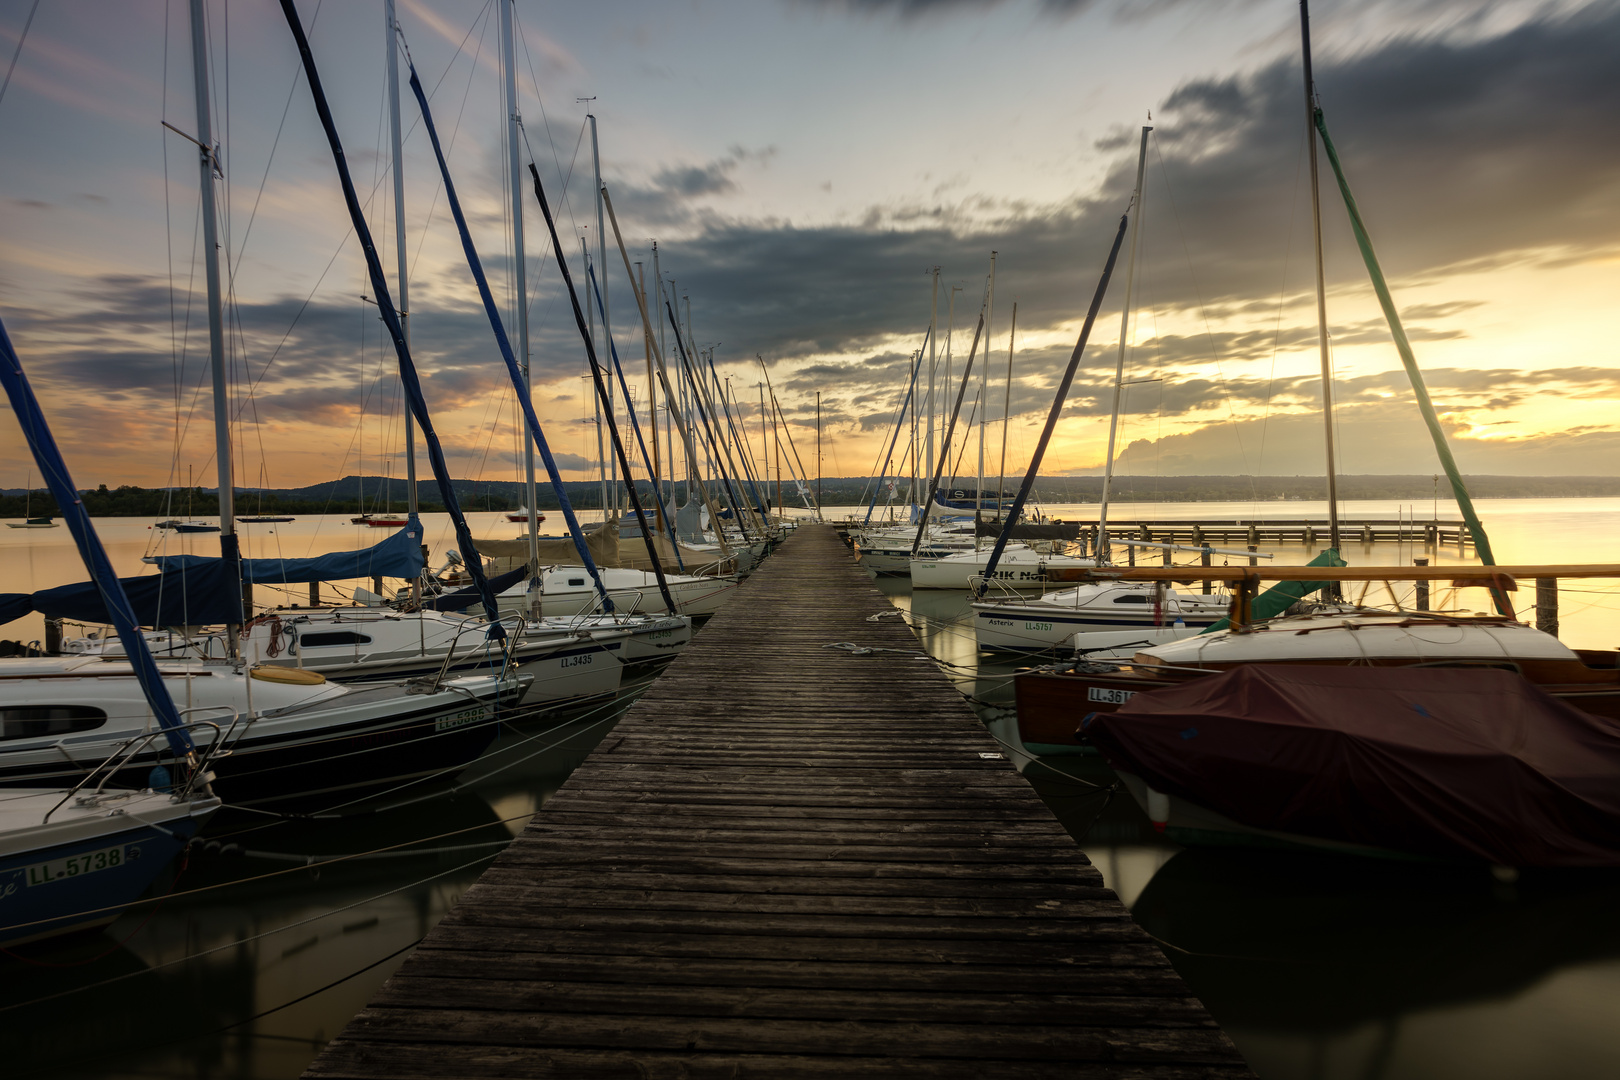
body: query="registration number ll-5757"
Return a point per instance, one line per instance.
(76, 865)
(1109, 696)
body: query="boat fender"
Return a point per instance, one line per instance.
(1158, 808)
(294, 676)
(159, 780)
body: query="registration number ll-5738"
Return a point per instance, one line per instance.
(76, 865)
(1109, 696)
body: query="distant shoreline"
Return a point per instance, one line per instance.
(380, 493)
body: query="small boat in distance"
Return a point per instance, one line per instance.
(187, 526)
(262, 519)
(380, 521)
(522, 515)
(29, 520)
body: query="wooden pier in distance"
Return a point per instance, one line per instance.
(790, 860)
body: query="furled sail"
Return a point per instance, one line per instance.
(398, 556)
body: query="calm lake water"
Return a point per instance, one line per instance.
(1317, 967)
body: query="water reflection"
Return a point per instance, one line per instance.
(1323, 967)
(256, 959)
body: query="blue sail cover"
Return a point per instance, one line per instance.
(203, 595)
(462, 599)
(398, 556)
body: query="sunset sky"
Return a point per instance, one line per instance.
(803, 165)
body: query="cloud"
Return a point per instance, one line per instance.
(674, 195)
(1469, 145)
(1383, 438)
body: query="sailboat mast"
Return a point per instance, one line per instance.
(669, 402)
(1321, 280)
(514, 125)
(1006, 409)
(590, 328)
(652, 402)
(933, 321)
(601, 260)
(984, 390)
(402, 285)
(1124, 337)
(818, 455)
(207, 162)
(765, 448)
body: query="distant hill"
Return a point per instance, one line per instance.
(343, 496)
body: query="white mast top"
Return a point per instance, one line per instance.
(1119, 368)
(402, 285)
(984, 390)
(514, 125)
(216, 315)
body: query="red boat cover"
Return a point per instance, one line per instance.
(1458, 763)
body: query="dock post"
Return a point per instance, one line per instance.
(314, 594)
(1547, 605)
(1206, 580)
(1254, 534)
(1198, 536)
(1253, 560)
(1366, 533)
(53, 637)
(1422, 587)
(1310, 535)
(376, 585)
(1130, 554)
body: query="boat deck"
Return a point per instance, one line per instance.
(790, 860)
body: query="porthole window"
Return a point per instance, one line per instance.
(39, 721)
(1130, 598)
(336, 637)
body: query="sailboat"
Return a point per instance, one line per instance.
(523, 514)
(74, 855)
(1334, 634)
(29, 521)
(291, 736)
(1016, 567)
(190, 524)
(261, 518)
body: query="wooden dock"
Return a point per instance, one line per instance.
(790, 860)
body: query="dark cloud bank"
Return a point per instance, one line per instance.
(1463, 155)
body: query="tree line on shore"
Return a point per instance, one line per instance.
(362, 494)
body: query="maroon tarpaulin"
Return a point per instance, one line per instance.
(1471, 763)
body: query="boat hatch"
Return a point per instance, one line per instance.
(37, 721)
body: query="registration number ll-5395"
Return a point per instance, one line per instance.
(1109, 696)
(76, 865)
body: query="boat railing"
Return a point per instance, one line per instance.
(514, 636)
(1005, 593)
(121, 757)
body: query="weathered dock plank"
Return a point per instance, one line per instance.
(790, 860)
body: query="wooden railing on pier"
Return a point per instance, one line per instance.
(790, 860)
(1198, 532)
